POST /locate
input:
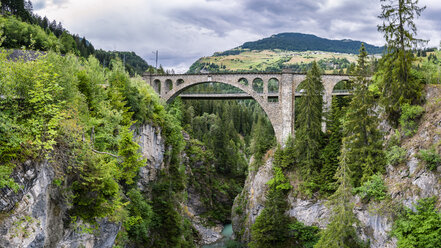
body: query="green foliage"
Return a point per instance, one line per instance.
(262, 138)
(430, 68)
(132, 62)
(360, 128)
(410, 115)
(431, 157)
(95, 190)
(167, 226)
(309, 134)
(216, 190)
(139, 219)
(306, 42)
(398, 82)
(420, 228)
(330, 153)
(373, 188)
(31, 109)
(81, 115)
(273, 228)
(340, 231)
(395, 155)
(304, 236)
(20, 34)
(131, 158)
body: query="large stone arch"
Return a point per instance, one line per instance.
(269, 108)
(281, 113)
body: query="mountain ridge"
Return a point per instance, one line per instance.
(295, 51)
(309, 42)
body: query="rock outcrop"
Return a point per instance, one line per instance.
(248, 205)
(35, 215)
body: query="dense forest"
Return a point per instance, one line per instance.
(81, 109)
(308, 42)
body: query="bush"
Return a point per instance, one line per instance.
(304, 236)
(420, 228)
(431, 157)
(395, 155)
(374, 188)
(409, 117)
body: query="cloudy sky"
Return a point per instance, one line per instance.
(185, 30)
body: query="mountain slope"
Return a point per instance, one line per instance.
(309, 42)
(293, 51)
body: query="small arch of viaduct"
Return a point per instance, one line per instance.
(280, 112)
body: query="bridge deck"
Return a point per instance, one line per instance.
(225, 96)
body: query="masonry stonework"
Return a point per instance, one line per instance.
(280, 113)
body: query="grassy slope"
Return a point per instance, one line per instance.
(260, 60)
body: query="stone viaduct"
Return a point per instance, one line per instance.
(275, 92)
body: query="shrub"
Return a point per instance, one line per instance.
(395, 155)
(420, 228)
(409, 117)
(374, 188)
(431, 157)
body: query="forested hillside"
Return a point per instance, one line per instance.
(292, 51)
(307, 42)
(24, 29)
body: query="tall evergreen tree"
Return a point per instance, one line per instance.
(331, 152)
(310, 109)
(397, 81)
(365, 144)
(340, 232)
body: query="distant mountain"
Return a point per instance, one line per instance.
(292, 51)
(307, 42)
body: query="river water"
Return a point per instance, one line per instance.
(227, 234)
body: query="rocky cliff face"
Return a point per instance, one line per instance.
(407, 182)
(248, 205)
(153, 149)
(36, 215)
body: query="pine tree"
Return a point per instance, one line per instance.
(310, 109)
(397, 80)
(340, 232)
(331, 152)
(365, 147)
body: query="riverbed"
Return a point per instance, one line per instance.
(227, 234)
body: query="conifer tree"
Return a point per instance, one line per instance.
(340, 232)
(331, 152)
(310, 111)
(364, 141)
(397, 80)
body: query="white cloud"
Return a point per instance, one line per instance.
(184, 30)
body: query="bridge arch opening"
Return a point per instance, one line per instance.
(157, 86)
(168, 85)
(258, 85)
(344, 86)
(179, 81)
(273, 85)
(300, 89)
(198, 89)
(243, 81)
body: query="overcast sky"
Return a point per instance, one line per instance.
(185, 30)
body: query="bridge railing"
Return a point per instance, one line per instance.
(343, 91)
